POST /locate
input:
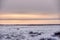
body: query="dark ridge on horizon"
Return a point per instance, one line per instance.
(29, 24)
(33, 19)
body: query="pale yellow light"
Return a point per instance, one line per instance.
(28, 16)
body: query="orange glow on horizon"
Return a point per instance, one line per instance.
(28, 16)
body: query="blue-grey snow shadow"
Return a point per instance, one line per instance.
(30, 32)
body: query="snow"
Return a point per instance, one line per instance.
(22, 32)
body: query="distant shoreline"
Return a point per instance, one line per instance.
(29, 24)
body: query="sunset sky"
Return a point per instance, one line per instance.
(9, 18)
(29, 9)
(29, 5)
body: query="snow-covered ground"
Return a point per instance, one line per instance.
(29, 32)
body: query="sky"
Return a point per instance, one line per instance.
(29, 6)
